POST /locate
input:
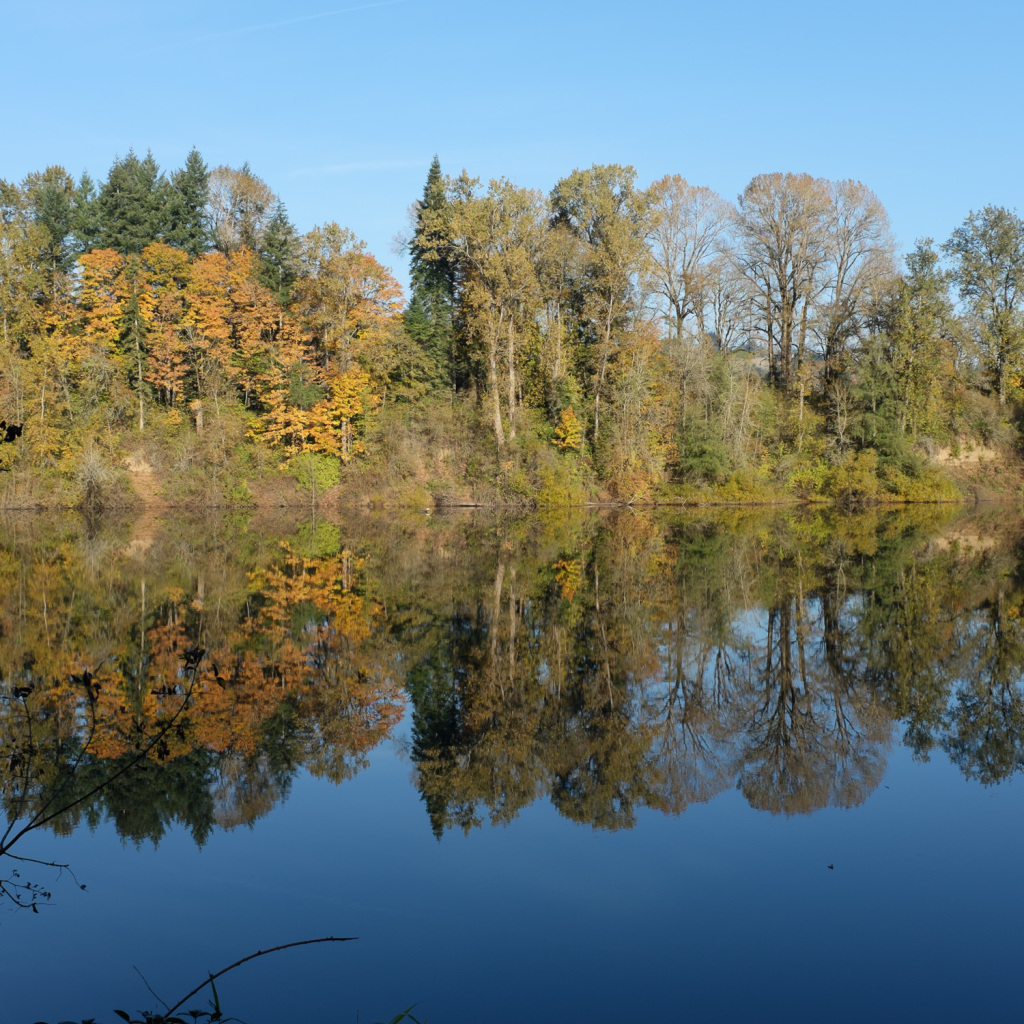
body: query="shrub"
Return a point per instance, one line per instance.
(855, 479)
(315, 473)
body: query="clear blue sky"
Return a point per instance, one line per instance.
(340, 106)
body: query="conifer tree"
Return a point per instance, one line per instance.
(279, 255)
(51, 199)
(189, 192)
(133, 205)
(85, 222)
(429, 317)
(908, 364)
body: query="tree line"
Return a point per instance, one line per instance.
(602, 338)
(673, 335)
(152, 307)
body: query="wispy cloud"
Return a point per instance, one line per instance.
(356, 166)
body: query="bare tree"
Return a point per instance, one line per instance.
(725, 305)
(858, 263)
(685, 225)
(240, 206)
(781, 230)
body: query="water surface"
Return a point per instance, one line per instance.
(589, 767)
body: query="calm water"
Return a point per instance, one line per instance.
(619, 767)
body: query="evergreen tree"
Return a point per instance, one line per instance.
(279, 255)
(50, 195)
(429, 317)
(189, 193)
(85, 225)
(133, 205)
(905, 372)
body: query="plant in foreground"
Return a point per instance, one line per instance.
(171, 1015)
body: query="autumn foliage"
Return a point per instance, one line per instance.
(173, 668)
(161, 339)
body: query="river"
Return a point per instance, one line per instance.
(594, 766)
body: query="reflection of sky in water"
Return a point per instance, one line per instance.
(721, 913)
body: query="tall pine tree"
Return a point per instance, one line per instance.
(429, 316)
(133, 205)
(279, 255)
(188, 194)
(51, 196)
(85, 224)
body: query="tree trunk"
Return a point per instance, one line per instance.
(511, 382)
(604, 367)
(492, 373)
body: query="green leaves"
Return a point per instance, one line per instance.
(987, 251)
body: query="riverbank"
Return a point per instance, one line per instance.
(141, 488)
(444, 455)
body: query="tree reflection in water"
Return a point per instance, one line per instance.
(695, 653)
(607, 663)
(177, 681)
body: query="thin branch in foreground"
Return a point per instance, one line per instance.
(150, 987)
(253, 956)
(193, 657)
(46, 864)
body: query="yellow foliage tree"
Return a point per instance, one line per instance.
(569, 432)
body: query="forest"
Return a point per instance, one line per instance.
(174, 337)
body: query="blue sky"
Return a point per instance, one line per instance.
(340, 106)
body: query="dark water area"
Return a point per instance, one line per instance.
(610, 766)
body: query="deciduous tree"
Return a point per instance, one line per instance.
(684, 228)
(780, 246)
(603, 208)
(987, 252)
(342, 292)
(241, 206)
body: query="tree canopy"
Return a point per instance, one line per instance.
(603, 340)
